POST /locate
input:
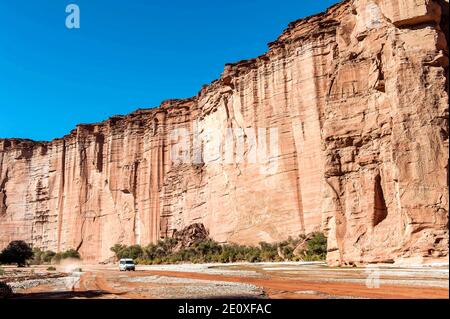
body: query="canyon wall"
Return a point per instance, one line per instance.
(349, 109)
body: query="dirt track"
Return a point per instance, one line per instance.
(244, 281)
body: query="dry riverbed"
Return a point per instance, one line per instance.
(241, 280)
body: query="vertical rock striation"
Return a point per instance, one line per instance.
(359, 100)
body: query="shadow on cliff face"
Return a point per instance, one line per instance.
(62, 295)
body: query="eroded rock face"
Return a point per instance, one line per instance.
(359, 100)
(190, 236)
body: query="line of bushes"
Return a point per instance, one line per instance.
(41, 257)
(311, 248)
(20, 253)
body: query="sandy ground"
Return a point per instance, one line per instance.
(243, 280)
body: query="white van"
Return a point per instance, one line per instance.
(127, 264)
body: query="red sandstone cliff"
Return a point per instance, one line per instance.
(359, 96)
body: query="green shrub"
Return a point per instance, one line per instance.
(17, 252)
(133, 252)
(316, 248)
(51, 268)
(269, 252)
(71, 253)
(116, 249)
(2, 272)
(142, 261)
(47, 256)
(56, 258)
(36, 256)
(42, 257)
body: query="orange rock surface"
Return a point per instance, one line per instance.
(359, 100)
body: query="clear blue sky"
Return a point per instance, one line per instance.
(126, 55)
